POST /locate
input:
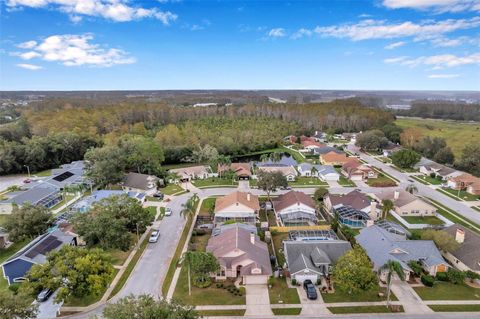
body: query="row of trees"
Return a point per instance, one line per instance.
(443, 110)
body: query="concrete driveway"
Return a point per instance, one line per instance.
(312, 307)
(48, 309)
(11, 180)
(258, 301)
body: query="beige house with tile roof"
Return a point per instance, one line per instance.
(406, 204)
(241, 254)
(237, 206)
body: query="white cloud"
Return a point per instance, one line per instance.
(302, 33)
(277, 33)
(395, 45)
(443, 76)
(29, 66)
(76, 50)
(438, 6)
(379, 29)
(27, 45)
(437, 62)
(116, 10)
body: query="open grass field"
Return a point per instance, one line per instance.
(455, 133)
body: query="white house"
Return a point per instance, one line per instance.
(288, 171)
(324, 172)
(237, 206)
(294, 207)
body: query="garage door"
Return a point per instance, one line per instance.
(302, 278)
(255, 280)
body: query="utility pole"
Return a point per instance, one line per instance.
(28, 170)
(138, 238)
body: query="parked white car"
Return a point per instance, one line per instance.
(154, 236)
(168, 211)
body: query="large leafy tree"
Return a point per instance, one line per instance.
(371, 140)
(470, 158)
(353, 272)
(143, 154)
(111, 221)
(147, 307)
(270, 181)
(16, 306)
(28, 221)
(392, 132)
(200, 265)
(105, 165)
(392, 268)
(441, 238)
(74, 271)
(405, 158)
(205, 154)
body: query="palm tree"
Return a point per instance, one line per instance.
(411, 188)
(392, 268)
(187, 258)
(387, 206)
(189, 208)
(264, 157)
(276, 156)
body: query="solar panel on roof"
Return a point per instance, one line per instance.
(63, 176)
(45, 246)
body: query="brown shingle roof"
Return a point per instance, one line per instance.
(355, 199)
(246, 199)
(291, 198)
(333, 157)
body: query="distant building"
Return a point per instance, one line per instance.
(141, 183)
(186, 174)
(86, 203)
(237, 206)
(241, 170)
(288, 171)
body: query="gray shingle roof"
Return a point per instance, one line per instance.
(33, 195)
(382, 246)
(299, 254)
(468, 252)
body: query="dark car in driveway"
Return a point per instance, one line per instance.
(44, 295)
(310, 289)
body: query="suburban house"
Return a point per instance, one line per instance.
(141, 183)
(84, 204)
(466, 182)
(16, 267)
(382, 246)
(186, 174)
(390, 148)
(406, 204)
(467, 255)
(295, 207)
(354, 209)
(241, 254)
(237, 206)
(320, 136)
(47, 192)
(311, 143)
(439, 170)
(333, 158)
(288, 171)
(241, 170)
(312, 260)
(45, 195)
(325, 150)
(324, 172)
(349, 136)
(356, 171)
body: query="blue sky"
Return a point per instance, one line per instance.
(172, 44)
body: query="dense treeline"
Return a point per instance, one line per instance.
(443, 110)
(58, 131)
(343, 115)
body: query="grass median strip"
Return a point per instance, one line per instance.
(130, 266)
(223, 312)
(455, 308)
(286, 311)
(454, 217)
(364, 309)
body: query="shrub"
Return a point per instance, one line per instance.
(14, 287)
(199, 232)
(433, 175)
(442, 276)
(455, 276)
(294, 282)
(427, 280)
(471, 275)
(416, 267)
(201, 281)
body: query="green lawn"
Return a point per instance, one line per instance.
(286, 311)
(381, 181)
(372, 295)
(427, 179)
(200, 241)
(45, 173)
(277, 242)
(253, 182)
(205, 296)
(307, 181)
(207, 207)
(455, 308)
(221, 313)
(454, 217)
(12, 249)
(462, 194)
(3, 219)
(130, 266)
(152, 210)
(432, 220)
(447, 291)
(363, 309)
(455, 133)
(118, 256)
(214, 181)
(171, 189)
(280, 293)
(153, 199)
